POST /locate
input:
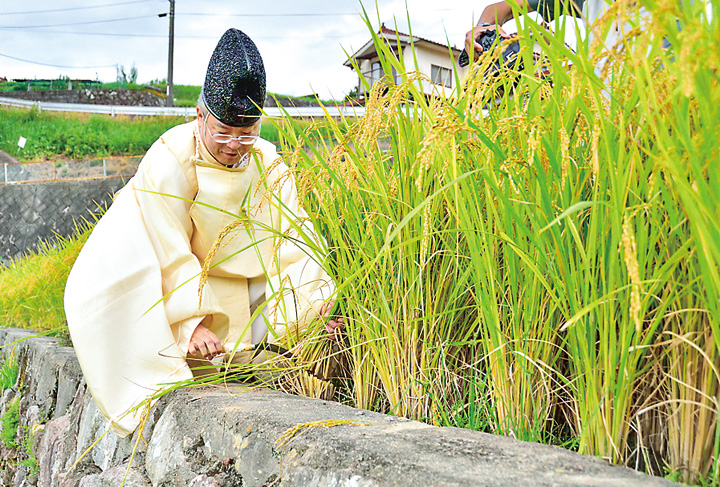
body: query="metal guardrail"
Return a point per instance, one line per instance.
(187, 112)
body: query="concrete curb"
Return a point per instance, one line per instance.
(232, 436)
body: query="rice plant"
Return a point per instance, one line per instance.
(548, 268)
(32, 287)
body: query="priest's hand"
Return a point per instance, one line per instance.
(335, 325)
(205, 343)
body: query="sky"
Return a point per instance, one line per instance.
(303, 44)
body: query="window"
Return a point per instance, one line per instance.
(377, 72)
(441, 76)
(397, 77)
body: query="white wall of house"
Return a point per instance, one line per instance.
(432, 60)
(437, 64)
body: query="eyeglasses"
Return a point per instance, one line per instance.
(226, 138)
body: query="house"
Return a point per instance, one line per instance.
(435, 60)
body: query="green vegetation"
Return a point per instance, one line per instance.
(11, 435)
(9, 423)
(29, 460)
(185, 95)
(9, 373)
(549, 271)
(10, 420)
(52, 134)
(32, 288)
(61, 83)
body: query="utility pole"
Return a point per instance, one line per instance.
(169, 100)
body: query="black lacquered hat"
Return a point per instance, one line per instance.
(234, 86)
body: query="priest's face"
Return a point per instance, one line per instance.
(214, 134)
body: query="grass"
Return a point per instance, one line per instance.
(11, 434)
(32, 288)
(68, 135)
(185, 95)
(11, 419)
(52, 135)
(9, 372)
(9, 424)
(59, 84)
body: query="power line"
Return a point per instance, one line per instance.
(56, 65)
(112, 34)
(164, 36)
(207, 14)
(72, 8)
(15, 27)
(303, 14)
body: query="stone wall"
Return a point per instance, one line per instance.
(284, 101)
(237, 436)
(91, 97)
(31, 212)
(128, 97)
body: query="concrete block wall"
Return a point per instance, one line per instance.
(237, 436)
(30, 212)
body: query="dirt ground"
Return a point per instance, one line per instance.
(13, 171)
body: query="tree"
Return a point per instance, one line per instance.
(124, 78)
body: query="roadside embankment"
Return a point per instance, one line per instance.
(91, 97)
(34, 212)
(237, 436)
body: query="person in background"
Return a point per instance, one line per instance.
(135, 313)
(495, 15)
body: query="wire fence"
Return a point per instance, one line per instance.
(46, 171)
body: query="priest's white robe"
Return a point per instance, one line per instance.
(131, 299)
